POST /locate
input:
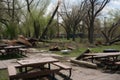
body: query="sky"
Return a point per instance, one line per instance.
(114, 4)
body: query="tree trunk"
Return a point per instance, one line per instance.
(73, 37)
(91, 32)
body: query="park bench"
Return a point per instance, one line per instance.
(63, 67)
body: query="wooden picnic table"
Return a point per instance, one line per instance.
(29, 66)
(113, 55)
(107, 60)
(12, 49)
(36, 63)
(32, 68)
(3, 45)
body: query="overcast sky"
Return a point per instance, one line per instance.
(114, 4)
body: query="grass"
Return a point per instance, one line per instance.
(97, 49)
(3, 75)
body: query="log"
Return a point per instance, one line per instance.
(81, 56)
(84, 63)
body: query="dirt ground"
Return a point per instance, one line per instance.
(81, 72)
(78, 72)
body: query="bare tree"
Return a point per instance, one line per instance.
(72, 15)
(112, 35)
(94, 8)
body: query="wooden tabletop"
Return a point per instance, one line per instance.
(11, 47)
(103, 54)
(30, 62)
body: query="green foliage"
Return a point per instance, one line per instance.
(10, 31)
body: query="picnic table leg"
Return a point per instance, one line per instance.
(115, 58)
(20, 69)
(92, 59)
(53, 76)
(25, 69)
(70, 73)
(49, 66)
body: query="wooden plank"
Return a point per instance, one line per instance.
(11, 71)
(84, 63)
(83, 54)
(59, 64)
(117, 63)
(37, 61)
(64, 67)
(2, 65)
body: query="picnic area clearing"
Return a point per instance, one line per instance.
(78, 72)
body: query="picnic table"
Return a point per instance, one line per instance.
(32, 68)
(13, 49)
(108, 59)
(39, 62)
(3, 45)
(114, 55)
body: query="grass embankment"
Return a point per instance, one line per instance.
(80, 47)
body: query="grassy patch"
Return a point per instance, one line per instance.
(3, 75)
(97, 49)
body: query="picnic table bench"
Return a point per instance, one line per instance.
(12, 72)
(22, 50)
(63, 67)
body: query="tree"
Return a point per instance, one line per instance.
(32, 7)
(94, 8)
(72, 15)
(49, 22)
(9, 17)
(15, 20)
(111, 30)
